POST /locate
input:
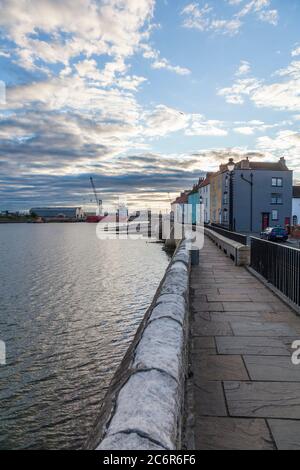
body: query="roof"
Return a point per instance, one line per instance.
(206, 181)
(182, 199)
(271, 166)
(296, 192)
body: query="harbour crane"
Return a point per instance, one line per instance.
(98, 200)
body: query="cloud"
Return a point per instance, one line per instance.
(283, 95)
(73, 28)
(159, 62)
(202, 127)
(165, 64)
(204, 19)
(285, 142)
(244, 68)
(164, 120)
(212, 158)
(296, 52)
(270, 16)
(241, 88)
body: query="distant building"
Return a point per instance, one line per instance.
(216, 193)
(51, 213)
(296, 205)
(204, 196)
(262, 195)
(178, 206)
(194, 203)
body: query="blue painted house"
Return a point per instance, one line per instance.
(194, 202)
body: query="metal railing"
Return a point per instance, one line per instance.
(279, 265)
(237, 237)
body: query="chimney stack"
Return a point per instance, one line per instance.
(245, 164)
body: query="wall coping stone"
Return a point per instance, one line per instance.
(143, 408)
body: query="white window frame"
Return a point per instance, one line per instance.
(277, 182)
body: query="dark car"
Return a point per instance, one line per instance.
(274, 234)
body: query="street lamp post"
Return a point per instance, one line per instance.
(201, 209)
(231, 167)
(251, 198)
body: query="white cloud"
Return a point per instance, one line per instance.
(244, 130)
(4, 54)
(270, 16)
(282, 95)
(203, 18)
(197, 17)
(159, 62)
(230, 27)
(254, 126)
(296, 52)
(241, 88)
(74, 27)
(243, 69)
(164, 120)
(234, 2)
(285, 142)
(165, 64)
(253, 6)
(201, 127)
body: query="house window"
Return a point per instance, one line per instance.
(276, 199)
(225, 199)
(274, 215)
(277, 182)
(225, 216)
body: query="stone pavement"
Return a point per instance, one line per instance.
(245, 389)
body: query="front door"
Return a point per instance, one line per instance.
(265, 220)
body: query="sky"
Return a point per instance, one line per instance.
(143, 95)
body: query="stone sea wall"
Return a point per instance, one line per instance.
(143, 408)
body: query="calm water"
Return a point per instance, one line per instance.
(69, 306)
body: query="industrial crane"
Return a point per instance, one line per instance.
(98, 201)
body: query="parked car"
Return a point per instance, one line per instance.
(274, 234)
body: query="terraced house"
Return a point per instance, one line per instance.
(255, 195)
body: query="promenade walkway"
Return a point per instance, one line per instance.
(246, 391)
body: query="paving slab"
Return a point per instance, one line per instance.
(273, 329)
(286, 433)
(207, 306)
(263, 399)
(253, 346)
(233, 434)
(206, 342)
(273, 368)
(235, 316)
(216, 367)
(209, 399)
(251, 306)
(228, 297)
(208, 328)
